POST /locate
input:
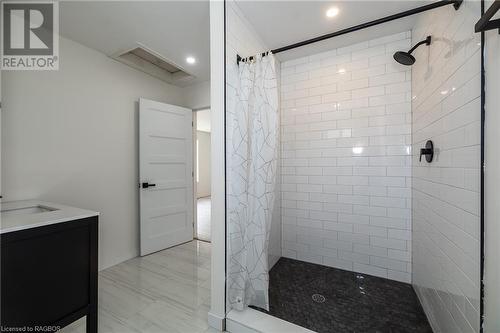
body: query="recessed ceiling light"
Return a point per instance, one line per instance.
(190, 60)
(332, 12)
(341, 71)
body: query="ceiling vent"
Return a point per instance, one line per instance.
(152, 63)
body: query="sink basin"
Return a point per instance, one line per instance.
(26, 210)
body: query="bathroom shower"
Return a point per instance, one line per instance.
(359, 231)
(405, 58)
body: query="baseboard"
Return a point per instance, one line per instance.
(214, 321)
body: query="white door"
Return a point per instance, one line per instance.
(165, 171)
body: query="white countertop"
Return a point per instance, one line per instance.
(27, 214)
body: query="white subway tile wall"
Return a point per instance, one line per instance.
(446, 109)
(346, 158)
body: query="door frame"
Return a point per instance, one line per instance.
(195, 171)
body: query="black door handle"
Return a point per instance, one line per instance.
(146, 185)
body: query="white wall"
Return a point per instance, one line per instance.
(242, 39)
(70, 136)
(345, 161)
(203, 187)
(197, 96)
(492, 181)
(446, 109)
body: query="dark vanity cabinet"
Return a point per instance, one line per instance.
(49, 276)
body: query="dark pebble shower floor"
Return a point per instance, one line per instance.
(351, 302)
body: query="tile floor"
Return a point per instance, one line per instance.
(352, 302)
(167, 291)
(203, 212)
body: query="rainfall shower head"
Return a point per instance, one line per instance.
(405, 58)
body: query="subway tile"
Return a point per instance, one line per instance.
(338, 263)
(388, 243)
(370, 190)
(368, 112)
(354, 84)
(354, 219)
(345, 160)
(387, 99)
(309, 188)
(370, 131)
(370, 230)
(358, 161)
(387, 79)
(399, 255)
(370, 270)
(369, 171)
(395, 119)
(323, 197)
(399, 234)
(389, 222)
(353, 199)
(337, 189)
(368, 72)
(387, 202)
(337, 207)
(338, 171)
(354, 257)
(368, 210)
(388, 263)
(322, 180)
(388, 181)
(352, 180)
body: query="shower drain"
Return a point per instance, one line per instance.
(318, 298)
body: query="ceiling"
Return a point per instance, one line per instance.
(280, 23)
(203, 120)
(173, 29)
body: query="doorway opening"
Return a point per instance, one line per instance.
(202, 179)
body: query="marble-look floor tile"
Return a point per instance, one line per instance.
(159, 283)
(167, 291)
(119, 300)
(167, 317)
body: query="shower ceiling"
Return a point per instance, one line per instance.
(300, 20)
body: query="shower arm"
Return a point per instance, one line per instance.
(426, 41)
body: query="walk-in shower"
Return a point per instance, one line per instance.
(338, 224)
(405, 58)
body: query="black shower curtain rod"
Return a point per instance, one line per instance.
(455, 3)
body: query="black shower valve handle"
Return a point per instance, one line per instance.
(424, 151)
(428, 151)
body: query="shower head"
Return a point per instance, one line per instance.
(405, 58)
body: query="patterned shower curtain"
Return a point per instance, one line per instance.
(252, 155)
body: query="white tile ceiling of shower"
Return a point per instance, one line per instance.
(346, 166)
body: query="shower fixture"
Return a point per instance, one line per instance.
(428, 152)
(405, 58)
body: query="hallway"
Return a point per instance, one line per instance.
(203, 213)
